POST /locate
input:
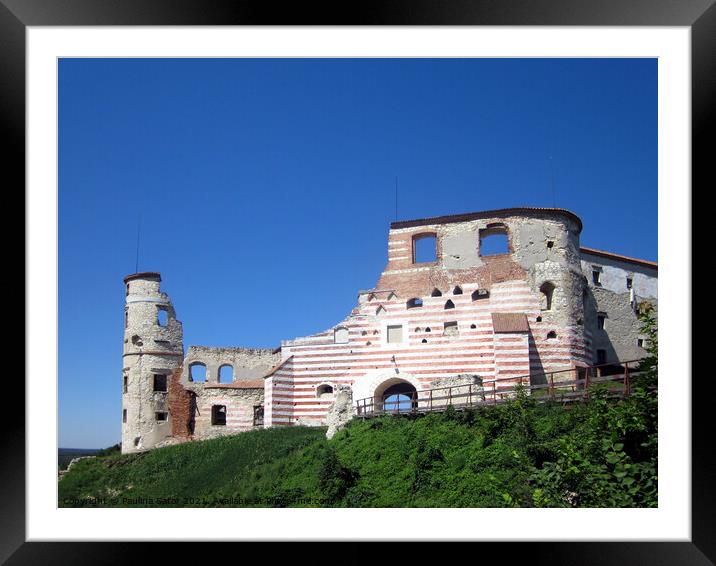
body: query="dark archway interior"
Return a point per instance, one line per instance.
(400, 397)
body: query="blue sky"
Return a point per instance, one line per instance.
(265, 187)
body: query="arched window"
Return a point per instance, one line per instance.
(340, 335)
(494, 240)
(425, 248)
(449, 305)
(226, 374)
(197, 372)
(551, 335)
(324, 390)
(547, 290)
(457, 290)
(436, 293)
(414, 303)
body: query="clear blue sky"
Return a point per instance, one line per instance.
(266, 186)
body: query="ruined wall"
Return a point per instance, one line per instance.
(246, 363)
(612, 297)
(152, 347)
(438, 342)
(238, 399)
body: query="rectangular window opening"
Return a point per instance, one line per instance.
(601, 320)
(218, 415)
(425, 248)
(395, 334)
(160, 382)
(601, 356)
(161, 416)
(259, 415)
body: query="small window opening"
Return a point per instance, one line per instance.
(160, 382)
(340, 335)
(457, 290)
(547, 290)
(596, 276)
(551, 335)
(126, 318)
(580, 322)
(539, 319)
(601, 356)
(395, 334)
(226, 374)
(417, 329)
(259, 415)
(424, 341)
(601, 320)
(160, 416)
(324, 391)
(494, 240)
(629, 282)
(451, 329)
(364, 333)
(480, 294)
(424, 248)
(162, 316)
(197, 372)
(138, 442)
(473, 326)
(125, 382)
(126, 290)
(449, 305)
(427, 329)
(550, 244)
(414, 303)
(436, 293)
(124, 415)
(641, 343)
(218, 415)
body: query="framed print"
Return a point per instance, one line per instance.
(140, 144)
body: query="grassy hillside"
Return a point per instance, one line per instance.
(602, 453)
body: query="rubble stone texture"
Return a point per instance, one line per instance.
(425, 324)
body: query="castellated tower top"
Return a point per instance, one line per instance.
(150, 275)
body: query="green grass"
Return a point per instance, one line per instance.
(521, 453)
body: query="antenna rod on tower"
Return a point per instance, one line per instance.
(139, 226)
(396, 198)
(551, 170)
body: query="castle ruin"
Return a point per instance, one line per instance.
(489, 295)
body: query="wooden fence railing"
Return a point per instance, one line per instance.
(564, 385)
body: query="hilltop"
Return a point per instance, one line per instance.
(601, 453)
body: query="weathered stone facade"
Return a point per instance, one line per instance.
(463, 316)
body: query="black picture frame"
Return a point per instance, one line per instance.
(699, 15)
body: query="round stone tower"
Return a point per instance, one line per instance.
(153, 350)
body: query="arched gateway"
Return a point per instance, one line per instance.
(396, 396)
(379, 392)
